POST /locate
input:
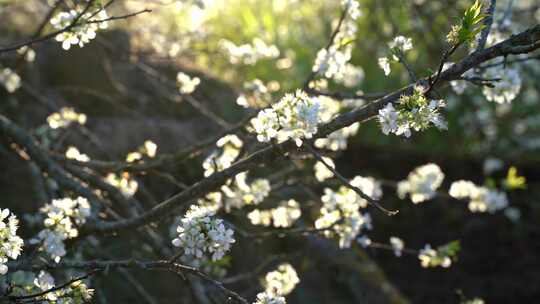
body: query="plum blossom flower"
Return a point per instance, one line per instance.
(422, 183)
(10, 243)
(199, 234)
(281, 281)
(294, 117)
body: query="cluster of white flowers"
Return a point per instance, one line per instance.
(199, 234)
(430, 257)
(267, 298)
(10, 80)
(64, 216)
(229, 148)
(322, 172)
(29, 53)
(340, 210)
(65, 117)
(148, 149)
(481, 198)
(397, 245)
(258, 95)
(239, 193)
(295, 116)
(281, 281)
(10, 243)
(399, 44)
(74, 153)
(413, 112)
(506, 89)
(422, 183)
(24, 283)
(333, 62)
(83, 31)
(248, 54)
(282, 216)
(127, 185)
(187, 84)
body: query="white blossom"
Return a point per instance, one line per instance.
(73, 153)
(294, 117)
(422, 183)
(353, 8)
(248, 54)
(10, 80)
(282, 216)
(63, 217)
(481, 199)
(281, 281)
(266, 298)
(187, 84)
(401, 43)
(200, 234)
(388, 119)
(65, 117)
(322, 172)
(384, 63)
(229, 148)
(340, 210)
(29, 53)
(364, 241)
(506, 89)
(412, 112)
(127, 185)
(430, 257)
(10, 243)
(82, 32)
(397, 245)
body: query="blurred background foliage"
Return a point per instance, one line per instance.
(499, 261)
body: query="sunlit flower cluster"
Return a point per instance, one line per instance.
(10, 243)
(127, 185)
(341, 210)
(65, 117)
(248, 54)
(240, 193)
(148, 149)
(267, 298)
(63, 217)
(229, 148)
(294, 117)
(322, 172)
(10, 80)
(80, 33)
(506, 88)
(430, 257)
(397, 245)
(400, 44)
(187, 84)
(74, 153)
(422, 183)
(413, 112)
(481, 199)
(281, 281)
(333, 62)
(282, 216)
(24, 283)
(199, 233)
